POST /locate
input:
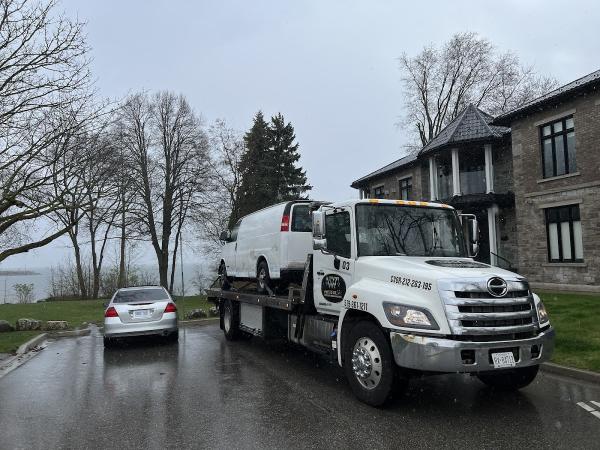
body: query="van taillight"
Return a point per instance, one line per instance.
(285, 223)
(111, 312)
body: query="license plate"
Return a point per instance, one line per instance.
(141, 313)
(503, 359)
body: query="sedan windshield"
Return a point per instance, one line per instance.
(397, 230)
(141, 295)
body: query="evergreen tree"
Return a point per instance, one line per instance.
(268, 167)
(289, 181)
(255, 189)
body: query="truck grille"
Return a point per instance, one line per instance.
(474, 312)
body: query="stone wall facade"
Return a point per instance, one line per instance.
(534, 194)
(391, 183)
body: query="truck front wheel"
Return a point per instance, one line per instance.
(509, 379)
(369, 364)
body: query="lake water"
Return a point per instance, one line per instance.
(41, 281)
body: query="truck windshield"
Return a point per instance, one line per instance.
(397, 230)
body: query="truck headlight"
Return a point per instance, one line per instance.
(542, 313)
(409, 316)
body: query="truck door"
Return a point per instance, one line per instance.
(333, 269)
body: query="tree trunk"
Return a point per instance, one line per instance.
(80, 277)
(174, 260)
(121, 278)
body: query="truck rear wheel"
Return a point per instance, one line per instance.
(230, 318)
(509, 379)
(369, 364)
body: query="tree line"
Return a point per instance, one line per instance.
(108, 175)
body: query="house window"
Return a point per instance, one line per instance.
(563, 229)
(405, 188)
(378, 192)
(444, 176)
(558, 147)
(472, 171)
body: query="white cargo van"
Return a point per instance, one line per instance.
(268, 245)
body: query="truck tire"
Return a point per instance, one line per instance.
(231, 320)
(369, 364)
(509, 379)
(263, 279)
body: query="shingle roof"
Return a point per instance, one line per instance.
(404, 161)
(471, 124)
(555, 95)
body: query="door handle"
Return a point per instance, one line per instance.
(320, 273)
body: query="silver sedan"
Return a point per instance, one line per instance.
(139, 311)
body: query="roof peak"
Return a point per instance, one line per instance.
(470, 124)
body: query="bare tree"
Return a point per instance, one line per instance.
(44, 96)
(168, 151)
(102, 200)
(440, 82)
(226, 149)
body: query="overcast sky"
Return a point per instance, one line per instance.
(329, 66)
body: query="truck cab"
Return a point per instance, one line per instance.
(406, 268)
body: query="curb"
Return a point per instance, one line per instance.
(70, 333)
(579, 374)
(198, 322)
(24, 348)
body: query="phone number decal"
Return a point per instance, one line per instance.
(408, 282)
(352, 304)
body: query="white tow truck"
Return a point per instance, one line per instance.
(390, 290)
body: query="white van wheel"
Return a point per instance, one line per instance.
(263, 279)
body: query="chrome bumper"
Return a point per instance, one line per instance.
(446, 355)
(114, 328)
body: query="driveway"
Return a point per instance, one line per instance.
(209, 393)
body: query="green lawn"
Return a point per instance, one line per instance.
(73, 311)
(9, 342)
(576, 319)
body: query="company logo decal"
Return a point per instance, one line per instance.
(333, 288)
(497, 287)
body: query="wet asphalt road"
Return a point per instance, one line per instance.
(208, 393)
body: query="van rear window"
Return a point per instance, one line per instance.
(301, 219)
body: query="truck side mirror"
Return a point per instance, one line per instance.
(225, 236)
(318, 224)
(320, 244)
(471, 232)
(318, 227)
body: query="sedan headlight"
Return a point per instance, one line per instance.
(543, 318)
(409, 316)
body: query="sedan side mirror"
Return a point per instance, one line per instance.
(225, 236)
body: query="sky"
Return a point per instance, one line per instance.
(330, 67)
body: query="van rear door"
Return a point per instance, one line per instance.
(299, 239)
